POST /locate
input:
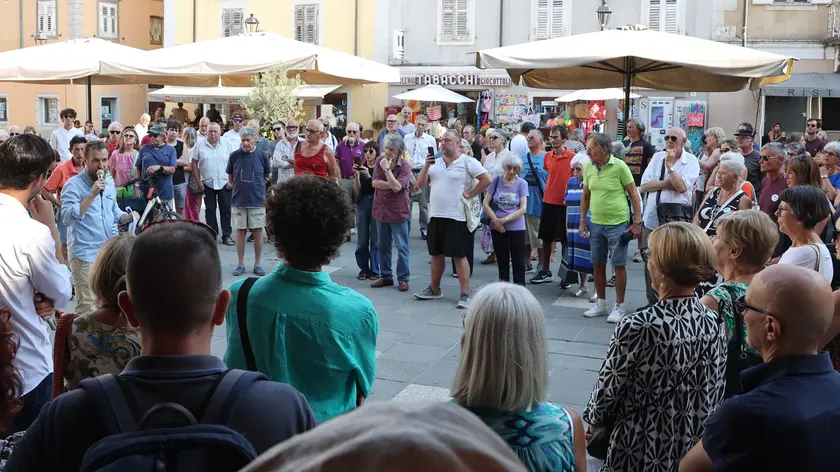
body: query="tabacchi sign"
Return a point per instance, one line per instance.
(455, 79)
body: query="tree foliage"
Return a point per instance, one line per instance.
(272, 97)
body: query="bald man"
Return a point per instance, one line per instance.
(789, 417)
(392, 124)
(203, 124)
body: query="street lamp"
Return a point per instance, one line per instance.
(40, 38)
(252, 24)
(604, 13)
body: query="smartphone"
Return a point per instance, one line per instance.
(357, 161)
(431, 151)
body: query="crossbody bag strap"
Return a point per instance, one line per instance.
(536, 176)
(818, 265)
(661, 178)
(739, 319)
(242, 322)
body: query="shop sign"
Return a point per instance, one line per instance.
(454, 80)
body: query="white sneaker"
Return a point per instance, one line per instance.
(599, 308)
(616, 314)
(353, 231)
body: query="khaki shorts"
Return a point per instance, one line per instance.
(532, 232)
(248, 218)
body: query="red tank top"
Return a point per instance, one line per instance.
(313, 165)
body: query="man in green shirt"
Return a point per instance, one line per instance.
(607, 185)
(304, 329)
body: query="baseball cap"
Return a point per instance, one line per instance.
(237, 116)
(745, 129)
(156, 130)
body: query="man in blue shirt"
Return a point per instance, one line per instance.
(90, 212)
(789, 417)
(248, 170)
(155, 156)
(536, 187)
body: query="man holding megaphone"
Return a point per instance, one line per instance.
(89, 209)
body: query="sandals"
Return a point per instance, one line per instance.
(580, 292)
(367, 277)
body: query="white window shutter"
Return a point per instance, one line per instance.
(311, 23)
(108, 20)
(299, 14)
(46, 17)
(541, 19)
(225, 23)
(557, 19)
(447, 20)
(232, 21)
(462, 20)
(762, 2)
(671, 15)
(655, 15)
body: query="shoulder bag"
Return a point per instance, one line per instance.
(669, 212)
(533, 176)
(472, 206)
(818, 265)
(599, 445)
(242, 322)
(737, 360)
(485, 218)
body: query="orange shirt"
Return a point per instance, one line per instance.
(60, 176)
(559, 167)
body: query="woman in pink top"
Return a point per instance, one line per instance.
(121, 162)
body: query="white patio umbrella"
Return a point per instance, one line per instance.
(595, 94)
(236, 58)
(627, 58)
(433, 93)
(310, 94)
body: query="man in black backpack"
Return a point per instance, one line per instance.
(175, 367)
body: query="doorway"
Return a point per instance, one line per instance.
(108, 111)
(788, 111)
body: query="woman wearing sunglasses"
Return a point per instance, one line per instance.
(744, 243)
(497, 139)
(726, 198)
(367, 247)
(121, 162)
(282, 161)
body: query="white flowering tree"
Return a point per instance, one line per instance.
(272, 97)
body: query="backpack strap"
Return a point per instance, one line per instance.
(242, 322)
(232, 386)
(110, 403)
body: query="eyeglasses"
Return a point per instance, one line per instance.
(350, 131)
(115, 132)
(811, 125)
(742, 305)
(493, 138)
(645, 253)
(767, 158)
(278, 129)
(312, 131)
(725, 149)
(831, 153)
(671, 138)
(392, 121)
(192, 222)
(782, 209)
(290, 128)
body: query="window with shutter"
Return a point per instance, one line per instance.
(108, 20)
(664, 15)
(549, 18)
(455, 20)
(307, 23)
(557, 19)
(47, 18)
(4, 109)
(232, 21)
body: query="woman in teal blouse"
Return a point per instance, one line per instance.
(304, 329)
(502, 377)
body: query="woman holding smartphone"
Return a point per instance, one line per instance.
(367, 248)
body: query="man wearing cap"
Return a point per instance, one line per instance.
(752, 160)
(238, 123)
(156, 156)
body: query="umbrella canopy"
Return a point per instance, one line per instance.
(310, 94)
(236, 58)
(65, 62)
(433, 93)
(595, 94)
(651, 59)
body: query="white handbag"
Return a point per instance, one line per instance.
(472, 206)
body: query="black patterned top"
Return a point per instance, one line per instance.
(650, 352)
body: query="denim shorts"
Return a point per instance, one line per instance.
(604, 239)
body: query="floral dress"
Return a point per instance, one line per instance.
(663, 376)
(95, 348)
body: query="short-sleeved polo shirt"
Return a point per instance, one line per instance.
(608, 200)
(559, 167)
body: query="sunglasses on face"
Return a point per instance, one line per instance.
(127, 136)
(370, 151)
(671, 138)
(767, 158)
(279, 129)
(115, 132)
(811, 125)
(742, 305)
(350, 131)
(14, 134)
(723, 149)
(312, 131)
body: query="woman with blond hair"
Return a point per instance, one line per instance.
(665, 365)
(744, 243)
(103, 342)
(121, 162)
(502, 377)
(192, 208)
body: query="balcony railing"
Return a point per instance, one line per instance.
(834, 22)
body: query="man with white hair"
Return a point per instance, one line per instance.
(669, 180)
(406, 126)
(114, 132)
(209, 164)
(328, 138)
(248, 170)
(772, 162)
(575, 142)
(203, 124)
(420, 145)
(142, 128)
(391, 127)
(349, 153)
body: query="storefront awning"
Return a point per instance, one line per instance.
(807, 84)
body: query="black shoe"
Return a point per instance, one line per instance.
(591, 278)
(565, 285)
(347, 239)
(424, 234)
(542, 277)
(611, 282)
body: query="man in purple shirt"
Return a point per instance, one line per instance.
(392, 211)
(348, 153)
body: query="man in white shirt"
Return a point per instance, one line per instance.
(60, 137)
(238, 123)
(203, 124)
(451, 177)
(669, 180)
(142, 128)
(329, 139)
(519, 143)
(209, 164)
(34, 281)
(417, 145)
(406, 126)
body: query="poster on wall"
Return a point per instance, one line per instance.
(660, 118)
(690, 115)
(510, 108)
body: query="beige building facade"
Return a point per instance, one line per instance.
(135, 23)
(806, 29)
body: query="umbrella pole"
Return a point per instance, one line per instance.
(89, 99)
(628, 64)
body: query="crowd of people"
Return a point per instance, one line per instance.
(737, 244)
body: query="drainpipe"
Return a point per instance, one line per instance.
(356, 30)
(20, 9)
(746, 17)
(194, 19)
(501, 21)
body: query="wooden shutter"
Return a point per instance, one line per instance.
(462, 20)
(232, 21)
(557, 19)
(671, 15)
(541, 19)
(447, 20)
(108, 20)
(655, 15)
(306, 23)
(46, 17)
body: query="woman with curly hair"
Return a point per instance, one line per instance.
(296, 325)
(10, 385)
(103, 342)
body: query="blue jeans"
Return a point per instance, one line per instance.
(604, 240)
(367, 249)
(399, 233)
(33, 403)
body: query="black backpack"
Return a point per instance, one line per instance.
(737, 359)
(168, 438)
